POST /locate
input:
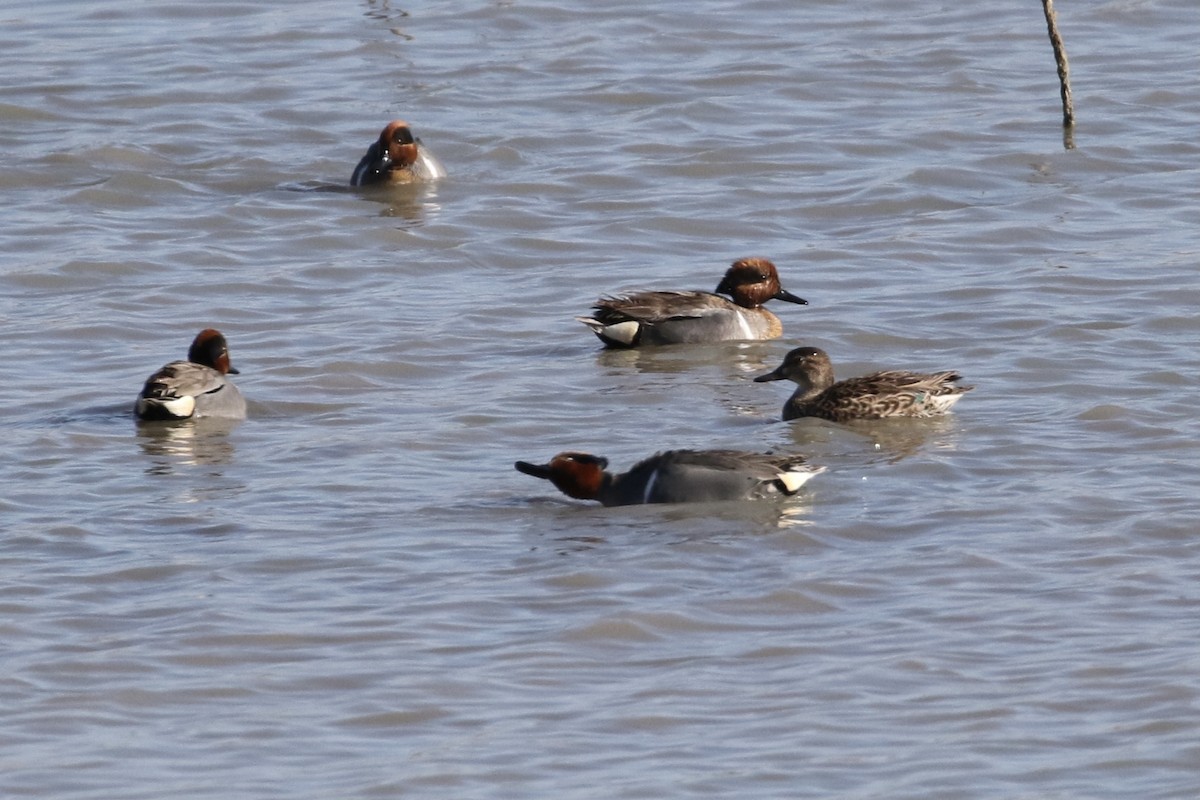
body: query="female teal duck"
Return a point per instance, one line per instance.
(894, 393)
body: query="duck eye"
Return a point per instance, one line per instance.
(402, 136)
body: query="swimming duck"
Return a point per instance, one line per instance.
(676, 476)
(196, 387)
(396, 157)
(894, 393)
(675, 317)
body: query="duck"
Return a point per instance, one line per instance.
(676, 476)
(197, 387)
(396, 157)
(892, 393)
(693, 317)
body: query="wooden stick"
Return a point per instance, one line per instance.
(1060, 58)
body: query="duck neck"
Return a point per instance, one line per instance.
(812, 383)
(608, 491)
(804, 393)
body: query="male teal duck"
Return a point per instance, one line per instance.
(396, 157)
(676, 476)
(197, 387)
(695, 317)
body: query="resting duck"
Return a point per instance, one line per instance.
(690, 317)
(196, 387)
(894, 393)
(396, 157)
(676, 476)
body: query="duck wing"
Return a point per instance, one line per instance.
(183, 379)
(653, 308)
(677, 476)
(173, 391)
(893, 393)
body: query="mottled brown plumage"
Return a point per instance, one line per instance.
(893, 393)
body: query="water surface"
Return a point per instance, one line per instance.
(353, 594)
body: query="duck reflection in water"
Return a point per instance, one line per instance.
(201, 442)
